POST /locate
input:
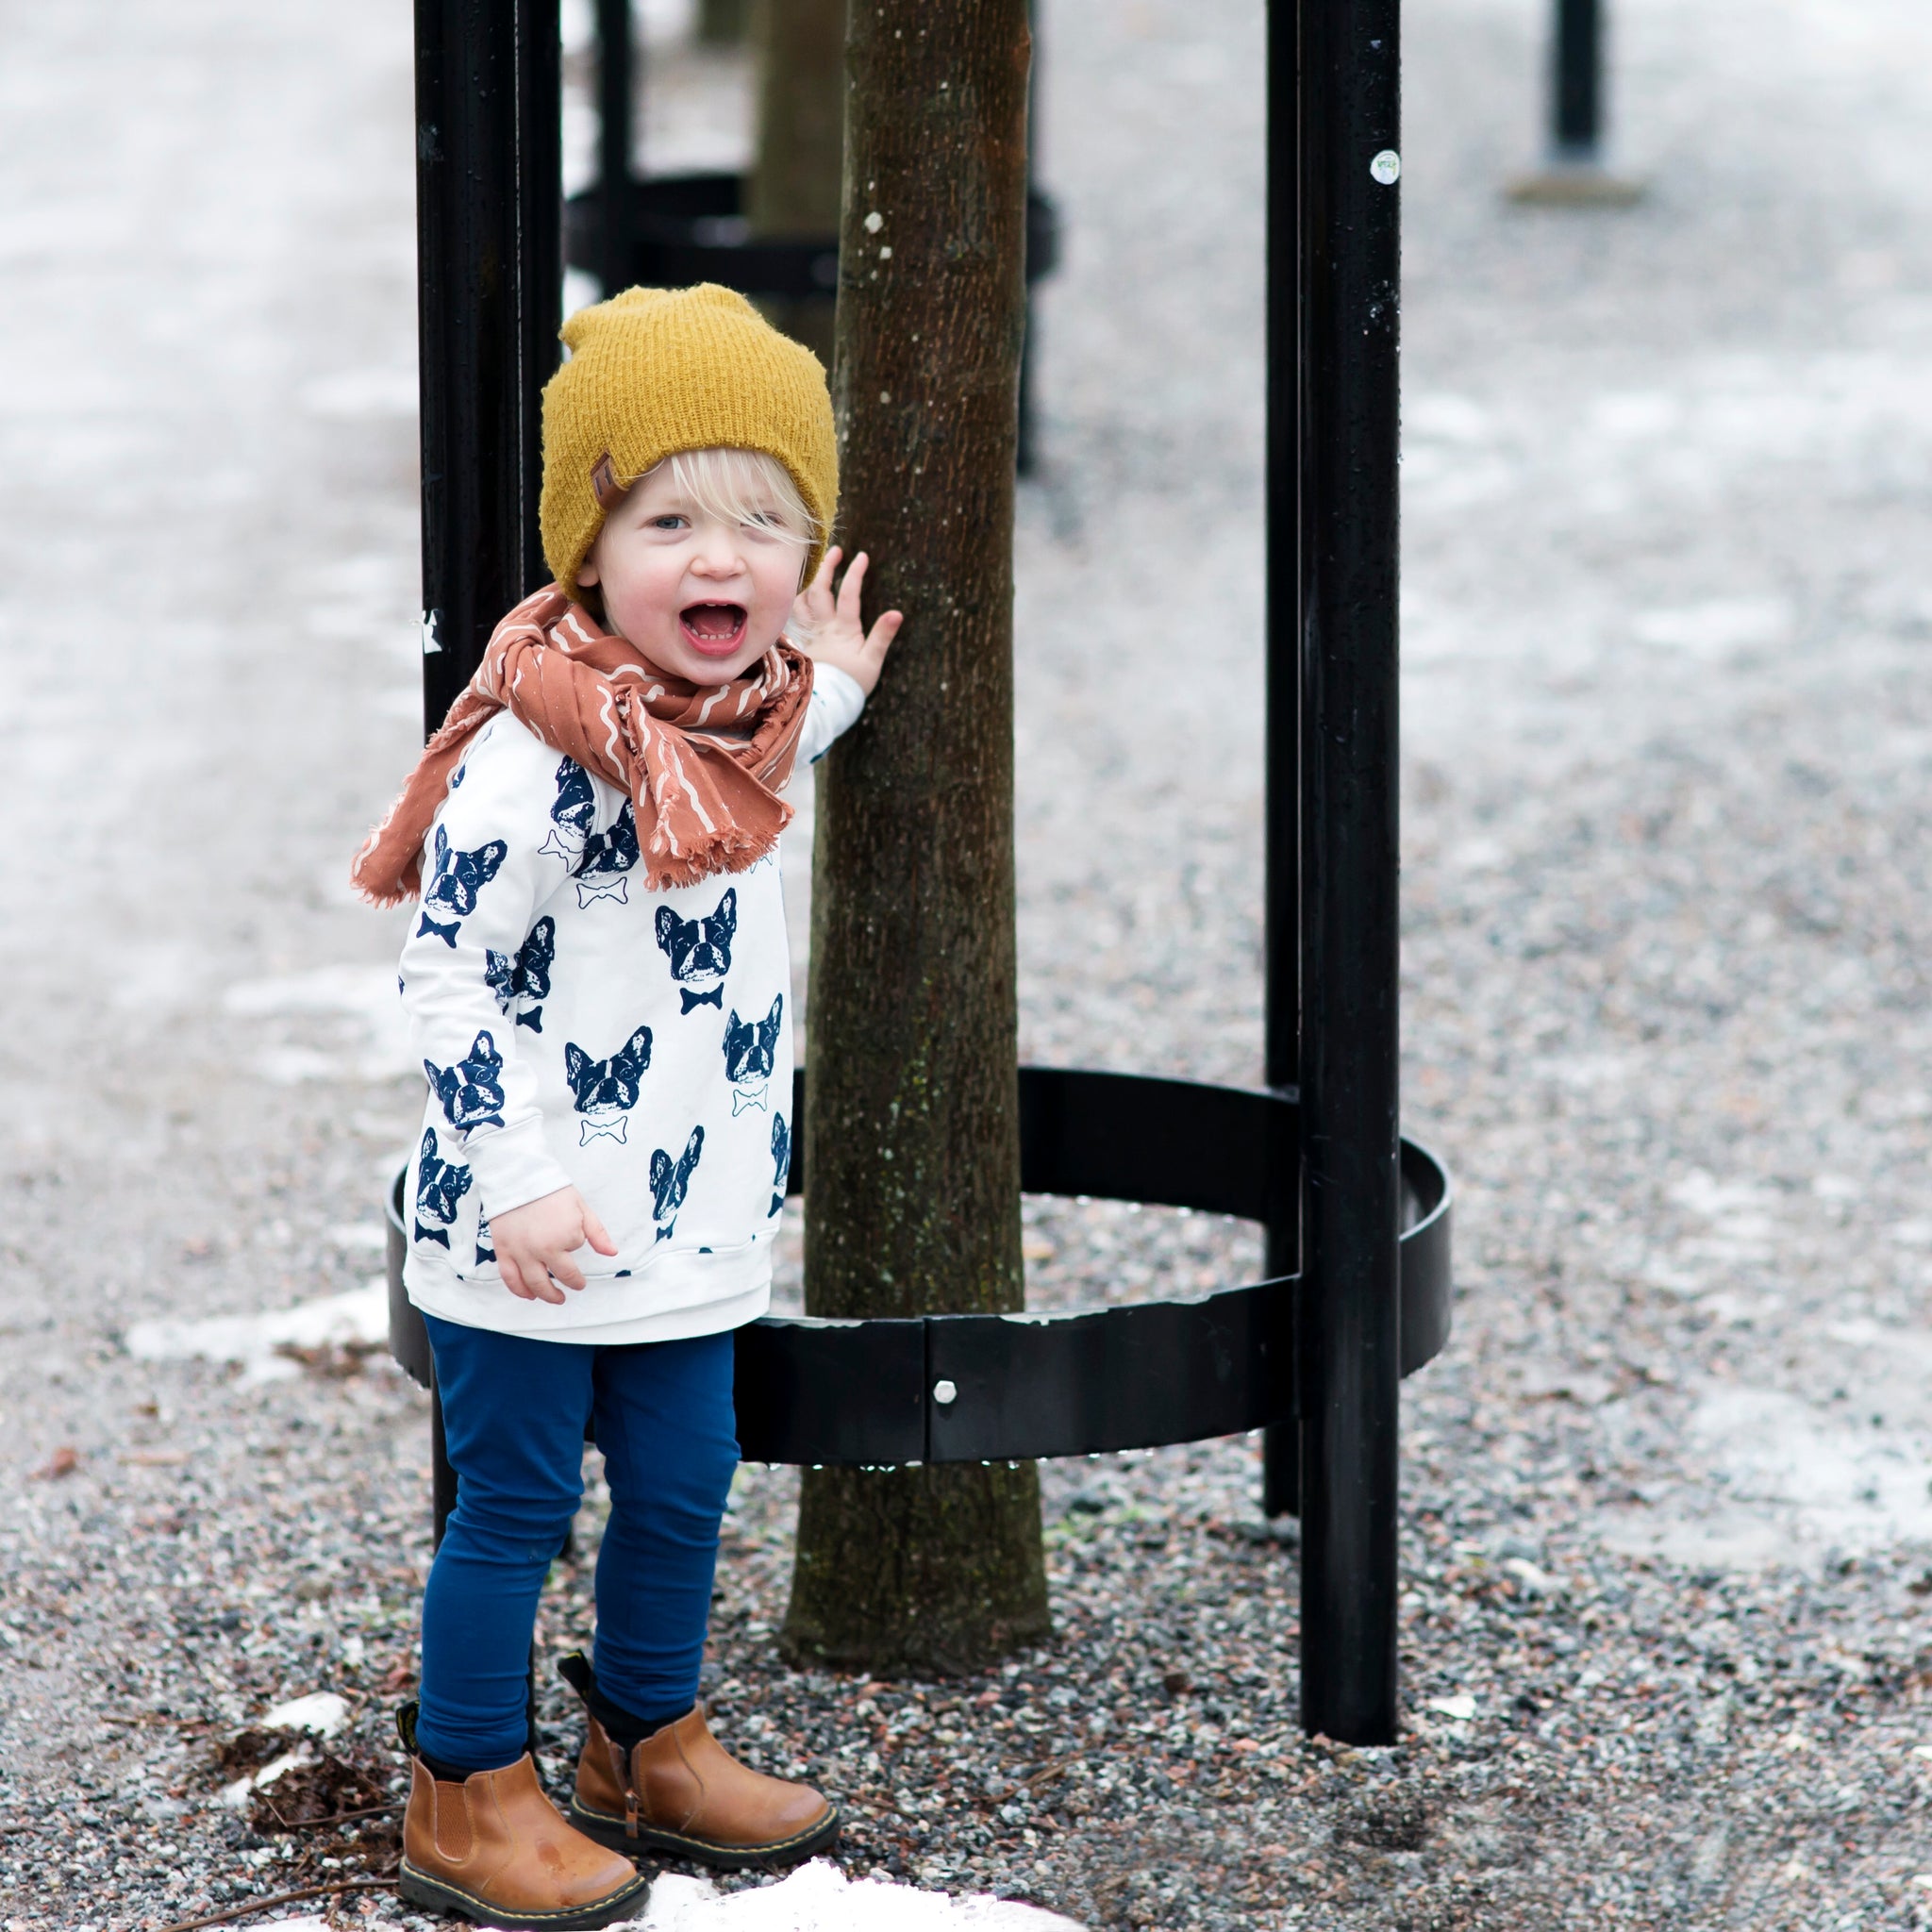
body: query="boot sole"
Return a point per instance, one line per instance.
(422, 1890)
(609, 1831)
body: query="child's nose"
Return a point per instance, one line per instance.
(717, 550)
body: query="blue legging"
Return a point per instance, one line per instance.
(514, 1410)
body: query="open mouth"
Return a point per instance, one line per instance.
(714, 629)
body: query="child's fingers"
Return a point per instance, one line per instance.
(567, 1272)
(594, 1233)
(526, 1278)
(849, 590)
(879, 640)
(818, 594)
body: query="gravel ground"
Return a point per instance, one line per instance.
(1668, 1529)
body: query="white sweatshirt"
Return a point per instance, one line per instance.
(577, 1028)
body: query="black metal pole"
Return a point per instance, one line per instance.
(1348, 1335)
(1576, 83)
(614, 82)
(489, 267)
(1282, 910)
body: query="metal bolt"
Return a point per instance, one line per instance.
(945, 1392)
(1386, 167)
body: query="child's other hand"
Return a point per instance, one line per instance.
(838, 634)
(535, 1242)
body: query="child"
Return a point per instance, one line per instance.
(599, 987)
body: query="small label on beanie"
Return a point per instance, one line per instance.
(604, 483)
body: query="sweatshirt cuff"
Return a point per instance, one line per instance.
(514, 1166)
(838, 698)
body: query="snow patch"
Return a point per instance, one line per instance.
(322, 1714)
(819, 1898)
(236, 1796)
(354, 395)
(255, 1340)
(376, 1042)
(1784, 1481)
(1719, 628)
(368, 1235)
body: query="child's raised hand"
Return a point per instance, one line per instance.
(838, 633)
(535, 1242)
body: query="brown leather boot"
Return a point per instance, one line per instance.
(496, 1849)
(680, 1792)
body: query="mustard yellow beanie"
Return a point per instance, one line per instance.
(654, 372)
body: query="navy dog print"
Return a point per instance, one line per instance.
(454, 883)
(439, 1185)
(671, 1181)
(700, 952)
(572, 815)
(517, 980)
(750, 1048)
(471, 1093)
(485, 1244)
(601, 872)
(781, 1161)
(606, 1090)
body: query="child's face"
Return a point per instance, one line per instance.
(701, 597)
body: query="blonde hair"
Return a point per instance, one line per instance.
(743, 486)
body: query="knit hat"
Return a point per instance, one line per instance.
(655, 372)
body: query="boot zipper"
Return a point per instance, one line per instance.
(620, 1762)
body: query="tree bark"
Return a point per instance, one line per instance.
(912, 1154)
(798, 51)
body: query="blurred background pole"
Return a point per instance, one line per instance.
(1575, 169)
(1578, 94)
(489, 249)
(723, 22)
(799, 56)
(1348, 1331)
(1282, 910)
(616, 77)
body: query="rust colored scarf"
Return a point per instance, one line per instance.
(705, 802)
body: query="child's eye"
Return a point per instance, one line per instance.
(669, 520)
(764, 520)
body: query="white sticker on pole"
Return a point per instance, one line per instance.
(1386, 167)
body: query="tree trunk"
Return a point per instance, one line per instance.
(798, 51)
(721, 22)
(912, 1154)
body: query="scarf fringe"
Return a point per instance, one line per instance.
(747, 849)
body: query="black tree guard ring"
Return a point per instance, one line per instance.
(1012, 1388)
